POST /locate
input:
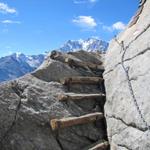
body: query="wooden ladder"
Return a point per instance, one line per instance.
(101, 145)
(80, 64)
(81, 80)
(71, 121)
(84, 119)
(79, 97)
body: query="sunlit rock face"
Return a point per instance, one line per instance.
(29, 103)
(126, 129)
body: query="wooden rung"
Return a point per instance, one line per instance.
(74, 97)
(100, 146)
(71, 121)
(54, 54)
(76, 63)
(82, 80)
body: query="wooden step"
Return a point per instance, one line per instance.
(74, 97)
(54, 54)
(71, 121)
(82, 80)
(100, 146)
(75, 63)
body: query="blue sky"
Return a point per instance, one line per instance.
(36, 26)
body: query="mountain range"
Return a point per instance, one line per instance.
(18, 64)
(90, 44)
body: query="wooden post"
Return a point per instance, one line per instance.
(56, 55)
(74, 97)
(71, 121)
(100, 146)
(81, 64)
(81, 80)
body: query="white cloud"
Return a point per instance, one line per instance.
(10, 22)
(86, 22)
(118, 26)
(84, 1)
(4, 8)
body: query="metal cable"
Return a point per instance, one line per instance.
(126, 70)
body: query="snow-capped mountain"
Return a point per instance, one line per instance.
(90, 44)
(18, 64)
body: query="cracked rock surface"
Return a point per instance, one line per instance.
(28, 103)
(126, 130)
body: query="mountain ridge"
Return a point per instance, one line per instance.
(18, 64)
(90, 45)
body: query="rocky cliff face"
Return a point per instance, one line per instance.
(127, 80)
(29, 103)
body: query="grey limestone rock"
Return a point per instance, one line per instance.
(29, 103)
(126, 130)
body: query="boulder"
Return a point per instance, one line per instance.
(29, 103)
(126, 129)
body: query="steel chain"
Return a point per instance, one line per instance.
(126, 70)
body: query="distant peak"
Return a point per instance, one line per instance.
(17, 54)
(89, 44)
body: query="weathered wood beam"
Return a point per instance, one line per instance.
(71, 121)
(81, 80)
(100, 146)
(54, 54)
(74, 97)
(76, 63)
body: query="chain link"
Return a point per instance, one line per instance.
(126, 70)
